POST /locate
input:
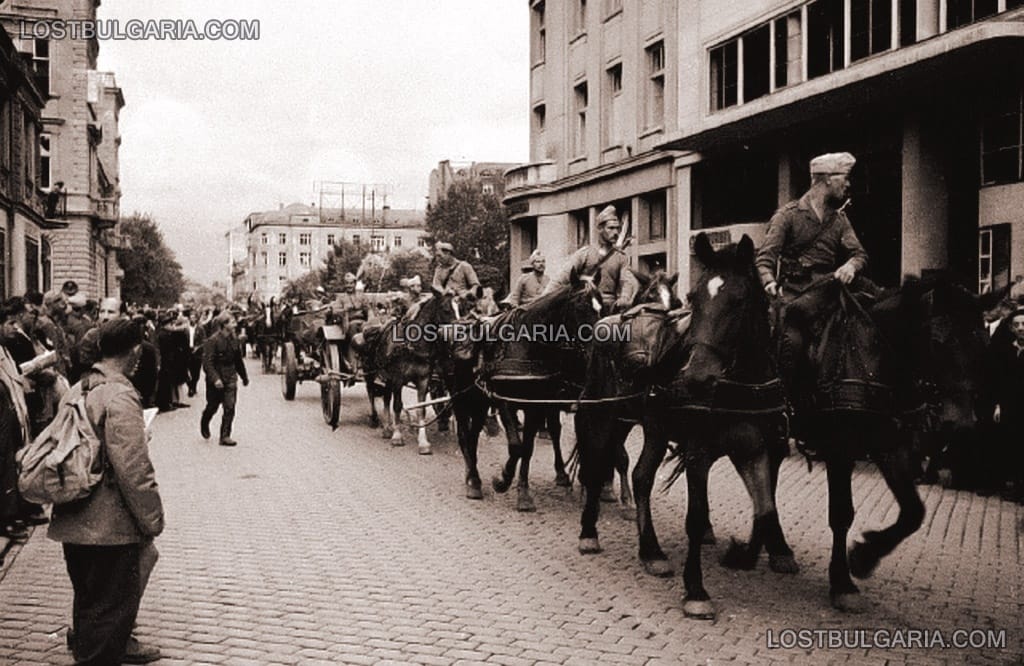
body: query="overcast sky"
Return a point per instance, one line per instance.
(338, 90)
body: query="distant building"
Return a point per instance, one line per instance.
(702, 117)
(283, 245)
(78, 146)
(489, 175)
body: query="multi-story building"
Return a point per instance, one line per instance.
(78, 145)
(488, 175)
(283, 245)
(703, 116)
(25, 246)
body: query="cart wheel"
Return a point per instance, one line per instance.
(330, 401)
(290, 377)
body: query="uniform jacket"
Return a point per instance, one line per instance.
(798, 240)
(460, 277)
(222, 358)
(353, 305)
(527, 288)
(125, 507)
(616, 281)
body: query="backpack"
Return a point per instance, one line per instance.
(64, 462)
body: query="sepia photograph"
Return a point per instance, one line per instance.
(511, 332)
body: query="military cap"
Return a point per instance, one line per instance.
(833, 163)
(70, 288)
(78, 300)
(443, 245)
(607, 215)
(349, 276)
(535, 255)
(414, 280)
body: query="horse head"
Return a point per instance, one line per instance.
(729, 328)
(651, 324)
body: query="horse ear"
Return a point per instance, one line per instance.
(641, 276)
(702, 248)
(745, 252)
(673, 280)
(478, 292)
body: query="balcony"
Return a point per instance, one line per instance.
(529, 175)
(107, 211)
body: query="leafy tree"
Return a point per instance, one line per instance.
(201, 295)
(304, 288)
(151, 273)
(476, 225)
(344, 257)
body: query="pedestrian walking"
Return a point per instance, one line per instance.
(223, 365)
(107, 537)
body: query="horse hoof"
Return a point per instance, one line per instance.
(698, 610)
(590, 546)
(849, 602)
(658, 568)
(374, 422)
(862, 563)
(397, 439)
(562, 480)
(500, 485)
(608, 494)
(473, 491)
(709, 538)
(424, 449)
(387, 433)
(738, 556)
(524, 503)
(783, 564)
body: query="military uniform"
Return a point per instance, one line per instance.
(222, 360)
(352, 305)
(460, 277)
(527, 288)
(615, 283)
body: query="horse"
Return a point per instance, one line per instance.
(535, 372)
(264, 330)
(401, 352)
(878, 367)
(679, 364)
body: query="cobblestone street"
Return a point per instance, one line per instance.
(304, 546)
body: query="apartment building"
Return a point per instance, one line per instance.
(725, 103)
(78, 145)
(489, 177)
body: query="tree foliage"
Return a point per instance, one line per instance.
(201, 295)
(344, 257)
(151, 273)
(476, 225)
(384, 272)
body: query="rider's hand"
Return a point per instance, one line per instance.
(772, 289)
(845, 273)
(997, 415)
(218, 385)
(623, 303)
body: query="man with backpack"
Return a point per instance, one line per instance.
(108, 534)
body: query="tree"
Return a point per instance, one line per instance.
(304, 288)
(151, 273)
(476, 225)
(344, 257)
(201, 295)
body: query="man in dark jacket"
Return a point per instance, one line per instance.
(1006, 363)
(108, 535)
(223, 365)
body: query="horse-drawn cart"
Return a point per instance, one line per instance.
(312, 350)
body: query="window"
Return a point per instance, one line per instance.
(39, 50)
(756, 70)
(487, 188)
(264, 258)
(824, 37)
(652, 216)
(422, 242)
(1002, 140)
(282, 239)
(993, 258)
(612, 102)
(304, 259)
(788, 50)
(264, 240)
(539, 118)
(330, 239)
(45, 177)
(654, 100)
(3, 262)
(46, 264)
(355, 239)
(5, 135)
(736, 188)
(397, 242)
(539, 33)
(579, 135)
(908, 22)
(581, 218)
(870, 27)
(724, 76)
(376, 243)
(579, 17)
(31, 143)
(282, 258)
(962, 12)
(31, 263)
(305, 239)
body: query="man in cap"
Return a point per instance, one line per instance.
(454, 275)
(531, 284)
(806, 240)
(352, 306)
(223, 365)
(408, 304)
(617, 284)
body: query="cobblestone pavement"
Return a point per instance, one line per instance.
(305, 546)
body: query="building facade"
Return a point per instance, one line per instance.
(25, 234)
(78, 145)
(488, 175)
(703, 116)
(286, 244)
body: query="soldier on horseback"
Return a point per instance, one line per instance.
(805, 242)
(455, 276)
(351, 308)
(617, 285)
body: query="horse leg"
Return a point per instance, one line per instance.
(502, 483)
(843, 594)
(437, 391)
(554, 423)
(469, 424)
(535, 418)
(697, 603)
(622, 467)
(595, 461)
(371, 393)
(899, 469)
(423, 444)
(395, 414)
(652, 557)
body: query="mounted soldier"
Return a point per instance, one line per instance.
(530, 284)
(455, 276)
(617, 285)
(808, 240)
